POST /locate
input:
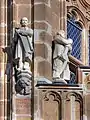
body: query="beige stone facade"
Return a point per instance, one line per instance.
(48, 102)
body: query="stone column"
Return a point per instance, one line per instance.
(3, 39)
(42, 47)
(43, 39)
(85, 40)
(63, 15)
(21, 105)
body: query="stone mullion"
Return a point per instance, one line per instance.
(63, 15)
(84, 45)
(72, 107)
(5, 62)
(13, 20)
(87, 44)
(2, 58)
(63, 106)
(8, 92)
(85, 111)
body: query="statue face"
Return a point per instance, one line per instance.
(62, 33)
(24, 22)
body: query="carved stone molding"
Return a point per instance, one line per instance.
(56, 96)
(75, 99)
(85, 3)
(78, 96)
(79, 16)
(51, 106)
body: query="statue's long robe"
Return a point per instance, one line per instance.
(23, 47)
(60, 60)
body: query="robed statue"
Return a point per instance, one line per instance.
(21, 50)
(22, 45)
(61, 51)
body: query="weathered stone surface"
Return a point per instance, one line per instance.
(45, 15)
(43, 1)
(1, 14)
(1, 91)
(67, 110)
(38, 14)
(1, 55)
(55, 6)
(50, 109)
(41, 50)
(23, 106)
(2, 108)
(44, 36)
(22, 12)
(45, 69)
(23, 118)
(23, 1)
(40, 25)
(87, 106)
(77, 110)
(55, 25)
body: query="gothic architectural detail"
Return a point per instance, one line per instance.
(51, 100)
(79, 16)
(78, 96)
(56, 96)
(85, 3)
(81, 19)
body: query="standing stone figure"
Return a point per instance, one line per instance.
(62, 48)
(22, 50)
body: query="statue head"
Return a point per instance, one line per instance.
(24, 22)
(61, 32)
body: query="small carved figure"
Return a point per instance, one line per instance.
(62, 48)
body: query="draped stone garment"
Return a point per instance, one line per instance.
(23, 47)
(60, 59)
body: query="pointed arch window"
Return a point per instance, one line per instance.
(74, 31)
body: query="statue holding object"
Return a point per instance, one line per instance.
(62, 48)
(22, 51)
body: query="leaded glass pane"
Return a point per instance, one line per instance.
(74, 32)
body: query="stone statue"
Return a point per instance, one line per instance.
(22, 45)
(62, 48)
(22, 51)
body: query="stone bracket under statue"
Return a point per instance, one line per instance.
(23, 82)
